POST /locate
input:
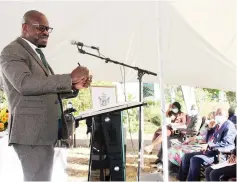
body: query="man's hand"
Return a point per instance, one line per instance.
(79, 84)
(88, 82)
(232, 159)
(79, 73)
(212, 124)
(190, 140)
(204, 148)
(83, 83)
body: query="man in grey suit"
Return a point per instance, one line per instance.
(34, 95)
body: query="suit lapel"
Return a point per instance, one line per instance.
(223, 126)
(220, 131)
(33, 54)
(51, 70)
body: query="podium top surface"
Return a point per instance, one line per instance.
(109, 109)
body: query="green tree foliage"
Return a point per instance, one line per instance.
(178, 95)
(81, 103)
(152, 113)
(130, 117)
(212, 94)
(231, 97)
(148, 90)
(3, 100)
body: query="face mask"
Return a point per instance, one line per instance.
(193, 112)
(175, 110)
(220, 119)
(172, 117)
(207, 121)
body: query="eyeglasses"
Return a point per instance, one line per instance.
(42, 28)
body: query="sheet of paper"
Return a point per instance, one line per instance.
(176, 126)
(204, 146)
(175, 142)
(221, 165)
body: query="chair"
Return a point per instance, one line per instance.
(185, 133)
(71, 125)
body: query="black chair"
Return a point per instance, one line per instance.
(185, 133)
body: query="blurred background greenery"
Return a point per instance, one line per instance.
(207, 100)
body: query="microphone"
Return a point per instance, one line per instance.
(73, 42)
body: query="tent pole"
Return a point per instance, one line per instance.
(164, 127)
(162, 97)
(141, 128)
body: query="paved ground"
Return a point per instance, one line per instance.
(78, 159)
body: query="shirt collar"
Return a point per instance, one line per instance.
(31, 45)
(220, 125)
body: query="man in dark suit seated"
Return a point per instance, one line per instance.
(223, 139)
(225, 173)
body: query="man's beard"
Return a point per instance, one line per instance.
(41, 46)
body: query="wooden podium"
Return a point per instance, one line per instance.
(107, 155)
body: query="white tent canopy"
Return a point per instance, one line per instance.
(194, 38)
(197, 37)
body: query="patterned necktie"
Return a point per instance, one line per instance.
(42, 57)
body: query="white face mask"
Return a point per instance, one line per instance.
(172, 117)
(175, 110)
(220, 119)
(207, 121)
(193, 112)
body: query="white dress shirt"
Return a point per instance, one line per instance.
(33, 47)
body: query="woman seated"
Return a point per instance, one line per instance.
(176, 152)
(227, 172)
(177, 116)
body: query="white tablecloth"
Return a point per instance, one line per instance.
(10, 167)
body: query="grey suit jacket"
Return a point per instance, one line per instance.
(33, 95)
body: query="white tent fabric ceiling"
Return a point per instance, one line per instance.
(196, 38)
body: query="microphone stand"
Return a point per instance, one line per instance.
(140, 74)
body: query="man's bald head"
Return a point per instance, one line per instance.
(31, 15)
(221, 112)
(35, 28)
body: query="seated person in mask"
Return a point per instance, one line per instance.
(177, 116)
(177, 151)
(193, 125)
(223, 138)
